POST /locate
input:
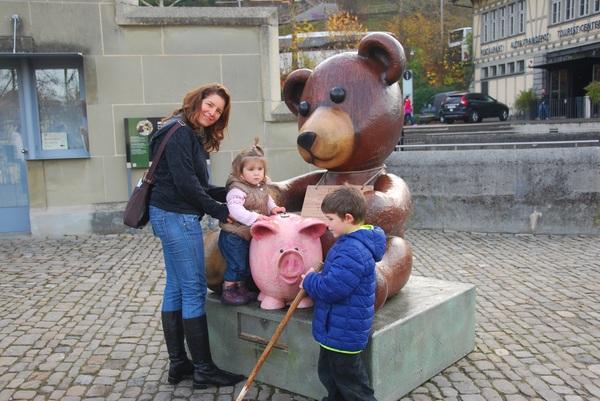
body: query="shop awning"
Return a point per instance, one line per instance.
(556, 59)
(563, 63)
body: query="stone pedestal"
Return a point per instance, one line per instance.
(427, 327)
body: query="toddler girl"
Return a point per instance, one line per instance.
(248, 201)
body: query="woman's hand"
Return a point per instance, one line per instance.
(277, 210)
(230, 220)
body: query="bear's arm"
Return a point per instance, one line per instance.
(290, 193)
(388, 206)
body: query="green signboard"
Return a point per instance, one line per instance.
(138, 132)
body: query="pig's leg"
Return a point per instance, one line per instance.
(305, 303)
(268, 302)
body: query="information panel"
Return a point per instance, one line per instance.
(138, 131)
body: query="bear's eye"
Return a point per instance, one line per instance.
(303, 108)
(337, 94)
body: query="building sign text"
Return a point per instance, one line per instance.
(492, 50)
(515, 44)
(574, 30)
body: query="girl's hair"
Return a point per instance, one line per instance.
(192, 102)
(255, 152)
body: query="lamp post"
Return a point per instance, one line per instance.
(442, 21)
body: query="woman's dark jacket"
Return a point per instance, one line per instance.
(181, 178)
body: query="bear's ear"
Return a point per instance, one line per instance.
(293, 87)
(387, 51)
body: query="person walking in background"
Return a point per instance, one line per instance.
(408, 111)
(344, 296)
(181, 195)
(249, 201)
(543, 106)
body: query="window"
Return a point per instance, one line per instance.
(501, 69)
(484, 27)
(556, 11)
(511, 19)
(53, 112)
(569, 9)
(503, 22)
(485, 87)
(521, 16)
(484, 72)
(511, 67)
(493, 71)
(596, 6)
(584, 7)
(493, 32)
(521, 66)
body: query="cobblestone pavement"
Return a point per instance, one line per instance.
(79, 319)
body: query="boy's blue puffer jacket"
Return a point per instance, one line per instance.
(344, 292)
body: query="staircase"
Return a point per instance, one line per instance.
(500, 135)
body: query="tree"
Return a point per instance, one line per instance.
(420, 34)
(350, 6)
(593, 91)
(345, 29)
(297, 28)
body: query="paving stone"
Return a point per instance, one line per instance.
(87, 325)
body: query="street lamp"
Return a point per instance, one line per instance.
(442, 21)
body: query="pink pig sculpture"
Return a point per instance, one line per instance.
(281, 250)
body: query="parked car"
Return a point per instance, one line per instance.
(471, 107)
(431, 110)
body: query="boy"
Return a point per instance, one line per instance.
(344, 296)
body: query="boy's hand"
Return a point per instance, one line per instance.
(278, 209)
(311, 270)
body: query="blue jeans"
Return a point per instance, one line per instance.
(235, 251)
(183, 250)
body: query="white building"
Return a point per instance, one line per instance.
(551, 46)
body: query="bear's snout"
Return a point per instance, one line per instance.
(306, 139)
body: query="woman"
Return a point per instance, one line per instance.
(179, 199)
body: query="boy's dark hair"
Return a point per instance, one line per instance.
(344, 200)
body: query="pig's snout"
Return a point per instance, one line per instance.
(291, 266)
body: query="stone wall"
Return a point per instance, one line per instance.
(140, 62)
(545, 191)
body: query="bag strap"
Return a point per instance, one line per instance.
(149, 176)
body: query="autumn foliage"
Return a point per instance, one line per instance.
(431, 57)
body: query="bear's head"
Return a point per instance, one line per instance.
(350, 108)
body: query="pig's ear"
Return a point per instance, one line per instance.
(262, 229)
(314, 228)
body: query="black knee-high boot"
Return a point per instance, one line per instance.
(205, 371)
(180, 366)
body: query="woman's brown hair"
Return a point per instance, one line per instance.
(192, 101)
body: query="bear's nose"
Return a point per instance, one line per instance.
(306, 139)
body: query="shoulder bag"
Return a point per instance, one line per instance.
(136, 212)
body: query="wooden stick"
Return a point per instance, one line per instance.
(271, 343)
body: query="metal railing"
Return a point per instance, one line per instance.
(513, 145)
(563, 108)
